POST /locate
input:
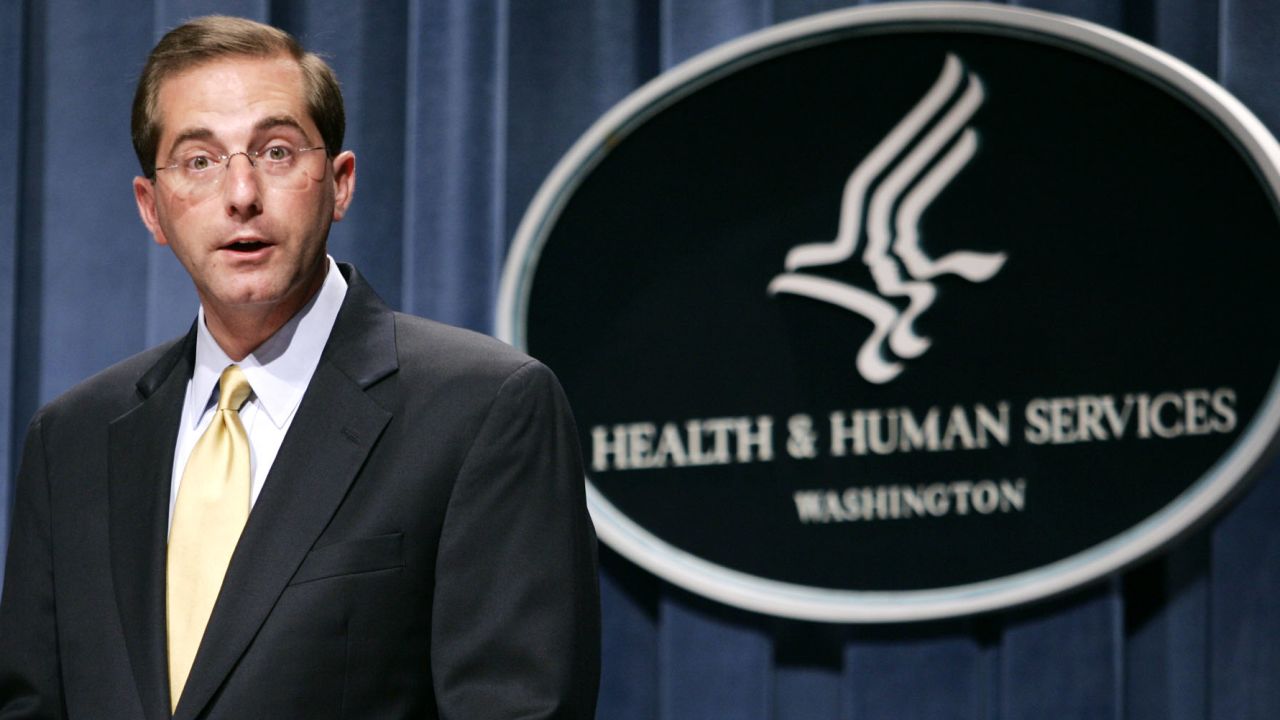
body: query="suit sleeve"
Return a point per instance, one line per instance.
(516, 609)
(30, 685)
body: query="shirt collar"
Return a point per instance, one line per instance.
(280, 369)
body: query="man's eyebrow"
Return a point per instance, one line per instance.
(196, 133)
(276, 121)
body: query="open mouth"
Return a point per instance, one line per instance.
(246, 246)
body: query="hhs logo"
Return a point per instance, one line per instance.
(909, 168)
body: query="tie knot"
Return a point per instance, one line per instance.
(233, 389)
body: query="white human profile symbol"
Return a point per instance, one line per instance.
(891, 219)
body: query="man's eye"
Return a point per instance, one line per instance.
(277, 153)
(199, 163)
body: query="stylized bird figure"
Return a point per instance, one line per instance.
(926, 150)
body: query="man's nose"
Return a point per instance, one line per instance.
(241, 186)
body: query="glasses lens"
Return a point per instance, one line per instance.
(288, 168)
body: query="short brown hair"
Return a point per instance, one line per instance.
(215, 37)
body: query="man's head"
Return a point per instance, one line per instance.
(239, 131)
(216, 37)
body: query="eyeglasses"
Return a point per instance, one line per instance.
(279, 165)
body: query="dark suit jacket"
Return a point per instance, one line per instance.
(420, 548)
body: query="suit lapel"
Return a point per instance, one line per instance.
(336, 427)
(140, 461)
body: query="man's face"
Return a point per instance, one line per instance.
(253, 246)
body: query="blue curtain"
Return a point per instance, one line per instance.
(458, 110)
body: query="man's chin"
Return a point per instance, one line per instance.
(264, 297)
(245, 299)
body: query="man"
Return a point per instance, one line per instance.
(310, 506)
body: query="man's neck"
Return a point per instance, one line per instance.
(239, 331)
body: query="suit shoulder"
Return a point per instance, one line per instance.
(109, 392)
(448, 351)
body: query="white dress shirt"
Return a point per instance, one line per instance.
(279, 371)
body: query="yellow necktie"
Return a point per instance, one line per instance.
(210, 512)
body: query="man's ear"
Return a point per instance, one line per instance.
(344, 182)
(144, 193)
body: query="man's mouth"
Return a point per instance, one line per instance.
(246, 246)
